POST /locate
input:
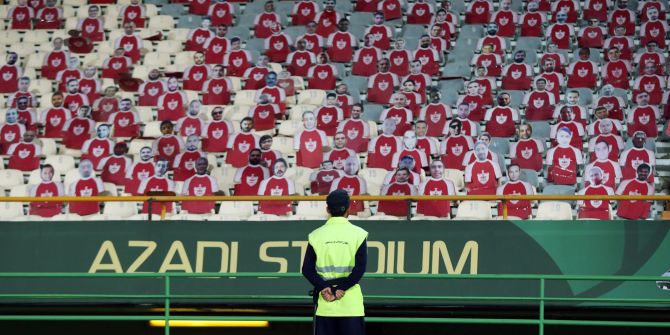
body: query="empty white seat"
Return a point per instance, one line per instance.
(10, 210)
(299, 174)
(245, 97)
(152, 129)
(283, 145)
(383, 217)
(290, 127)
(61, 163)
(48, 146)
(71, 176)
(224, 177)
(10, 178)
(456, 176)
(69, 217)
(157, 59)
(311, 97)
(554, 210)
(235, 112)
(236, 210)
(161, 22)
(311, 209)
(264, 217)
(19, 191)
(120, 209)
(473, 210)
(184, 58)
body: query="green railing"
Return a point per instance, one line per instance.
(541, 299)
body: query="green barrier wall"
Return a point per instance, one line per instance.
(496, 247)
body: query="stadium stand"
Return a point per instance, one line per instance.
(572, 95)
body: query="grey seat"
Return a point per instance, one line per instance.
(241, 32)
(175, 10)
(189, 21)
(257, 44)
(283, 8)
(500, 146)
(157, 2)
(341, 69)
(372, 112)
(413, 31)
(596, 56)
(529, 176)
(623, 94)
(471, 31)
(361, 18)
(541, 129)
(516, 98)
(356, 83)
(449, 91)
(456, 71)
(585, 96)
(357, 29)
(559, 189)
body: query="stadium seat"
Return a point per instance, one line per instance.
(264, 217)
(224, 177)
(190, 217)
(382, 217)
(290, 127)
(236, 210)
(554, 210)
(161, 22)
(10, 210)
(152, 129)
(473, 210)
(456, 176)
(20, 191)
(559, 189)
(61, 163)
(311, 97)
(119, 209)
(69, 217)
(311, 210)
(10, 178)
(245, 97)
(283, 145)
(529, 176)
(236, 112)
(374, 177)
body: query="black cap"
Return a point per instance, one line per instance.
(338, 201)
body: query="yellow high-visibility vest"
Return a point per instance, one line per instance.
(335, 244)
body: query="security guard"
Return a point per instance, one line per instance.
(334, 264)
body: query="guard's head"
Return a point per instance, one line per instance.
(338, 203)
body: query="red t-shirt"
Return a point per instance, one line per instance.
(88, 187)
(199, 185)
(248, 179)
(43, 190)
(276, 186)
(482, 177)
(439, 208)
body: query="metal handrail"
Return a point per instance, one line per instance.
(168, 297)
(162, 200)
(323, 198)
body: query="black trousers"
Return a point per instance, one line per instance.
(354, 325)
